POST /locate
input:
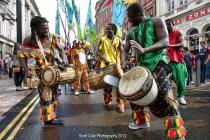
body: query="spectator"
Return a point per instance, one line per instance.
(203, 57)
(18, 71)
(188, 58)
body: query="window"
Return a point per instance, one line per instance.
(182, 2)
(170, 5)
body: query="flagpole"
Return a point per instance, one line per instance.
(63, 26)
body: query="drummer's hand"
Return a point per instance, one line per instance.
(137, 46)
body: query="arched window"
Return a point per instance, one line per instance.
(193, 39)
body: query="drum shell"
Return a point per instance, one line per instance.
(51, 75)
(67, 76)
(96, 77)
(149, 98)
(146, 94)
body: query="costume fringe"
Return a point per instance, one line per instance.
(141, 117)
(176, 133)
(173, 122)
(175, 127)
(47, 113)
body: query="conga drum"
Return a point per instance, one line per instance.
(96, 77)
(51, 75)
(138, 86)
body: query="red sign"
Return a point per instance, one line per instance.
(199, 13)
(177, 21)
(202, 12)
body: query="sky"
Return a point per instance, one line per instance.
(47, 9)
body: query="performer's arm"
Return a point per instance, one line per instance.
(179, 45)
(122, 55)
(101, 55)
(161, 35)
(62, 52)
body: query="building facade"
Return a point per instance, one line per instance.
(191, 17)
(103, 15)
(9, 22)
(104, 12)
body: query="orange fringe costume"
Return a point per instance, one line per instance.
(79, 61)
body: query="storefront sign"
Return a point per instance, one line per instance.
(202, 12)
(198, 13)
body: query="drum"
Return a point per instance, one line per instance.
(51, 75)
(138, 86)
(96, 77)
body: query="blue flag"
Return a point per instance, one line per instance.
(90, 28)
(70, 12)
(57, 21)
(77, 17)
(61, 5)
(118, 12)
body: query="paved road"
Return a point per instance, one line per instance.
(85, 118)
(8, 95)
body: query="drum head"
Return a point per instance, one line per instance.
(131, 82)
(49, 76)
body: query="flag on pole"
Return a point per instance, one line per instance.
(77, 17)
(90, 28)
(118, 12)
(61, 5)
(57, 21)
(69, 11)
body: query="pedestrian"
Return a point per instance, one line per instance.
(188, 58)
(17, 68)
(149, 38)
(174, 52)
(79, 61)
(1, 66)
(203, 57)
(43, 54)
(110, 52)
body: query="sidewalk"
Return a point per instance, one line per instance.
(8, 95)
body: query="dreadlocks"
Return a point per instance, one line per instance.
(136, 8)
(36, 22)
(113, 27)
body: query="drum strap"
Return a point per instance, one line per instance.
(41, 48)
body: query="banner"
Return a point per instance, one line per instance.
(77, 17)
(118, 12)
(89, 29)
(57, 22)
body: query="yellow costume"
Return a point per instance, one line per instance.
(111, 51)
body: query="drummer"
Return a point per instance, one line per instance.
(31, 49)
(79, 62)
(152, 55)
(110, 52)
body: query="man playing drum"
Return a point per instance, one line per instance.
(110, 52)
(32, 49)
(149, 38)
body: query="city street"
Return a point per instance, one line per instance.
(85, 118)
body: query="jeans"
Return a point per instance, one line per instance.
(18, 78)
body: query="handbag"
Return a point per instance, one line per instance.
(16, 69)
